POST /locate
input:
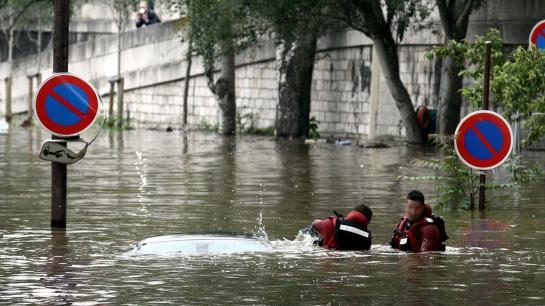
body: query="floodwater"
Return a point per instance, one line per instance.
(136, 184)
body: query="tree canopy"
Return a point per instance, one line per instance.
(518, 79)
(218, 27)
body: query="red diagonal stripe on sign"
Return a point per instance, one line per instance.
(484, 140)
(66, 104)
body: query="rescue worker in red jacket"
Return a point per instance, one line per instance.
(419, 230)
(345, 233)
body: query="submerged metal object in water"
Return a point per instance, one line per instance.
(200, 245)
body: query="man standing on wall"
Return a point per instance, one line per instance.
(145, 16)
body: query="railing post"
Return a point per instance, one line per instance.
(111, 96)
(8, 99)
(30, 98)
(120, 88)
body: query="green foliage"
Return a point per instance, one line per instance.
(401, 14)
(14, 13)
(208, 127)
(456, 184)
(313, 127)
(469, 58)
(118, 123)
(518, 79)
(519, 86)
(266, 131)
(122, 11)
(366, 16)
(290, 20)
(519, 171)
(218, 27)
(295, 24)
(246, 125)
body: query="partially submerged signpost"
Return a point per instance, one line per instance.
(484, 139)
(65, 106)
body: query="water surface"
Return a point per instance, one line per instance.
(136, 184)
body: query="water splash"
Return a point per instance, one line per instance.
(261, 232)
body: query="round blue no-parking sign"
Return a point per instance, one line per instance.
(483, 140)
(66, 105)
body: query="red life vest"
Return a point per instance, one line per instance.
(407, 240)
(348, 233)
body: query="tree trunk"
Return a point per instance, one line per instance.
(119, 86)
(296, 65)
(118, 54)
(387, 53)
(189, 60)
(39, 51)
(226, 97)
(454, 20)
(450, 99)
(224, 90)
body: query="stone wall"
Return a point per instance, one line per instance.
(153, 66)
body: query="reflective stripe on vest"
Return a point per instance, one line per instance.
(354, 230)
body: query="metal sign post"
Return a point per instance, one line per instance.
(61, 21)
(484, 139)
(64, 105)
(486, 95)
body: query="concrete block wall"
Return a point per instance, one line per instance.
(341, 90)
(153, 66)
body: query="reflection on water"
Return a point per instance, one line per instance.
(138, 184)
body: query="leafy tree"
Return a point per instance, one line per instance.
(455, 183)
(518, 79)
(11, 14)
(454, 20)
(385, 22)
(219, 29)
(38, 20)
(296, 25)
(121, 11)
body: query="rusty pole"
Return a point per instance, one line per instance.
(111, 105)
(486, 95)
(120, 106)
(30, 97)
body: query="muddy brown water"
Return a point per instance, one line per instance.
(136, 184)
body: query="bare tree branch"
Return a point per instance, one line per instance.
(19, 13)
